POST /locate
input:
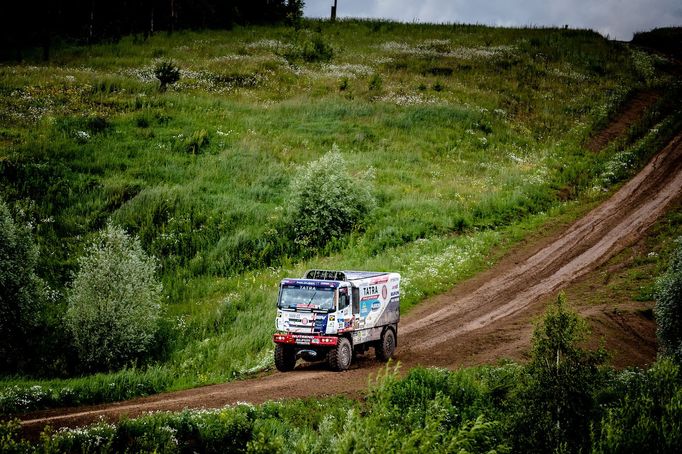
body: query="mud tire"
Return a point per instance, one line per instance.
(340, 357)
(285, 358)
(386, 346)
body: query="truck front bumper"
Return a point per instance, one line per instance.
(305, 339)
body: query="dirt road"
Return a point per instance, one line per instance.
(477, 321)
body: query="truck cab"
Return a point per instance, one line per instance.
(330, 315)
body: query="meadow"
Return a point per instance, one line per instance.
(471, 138)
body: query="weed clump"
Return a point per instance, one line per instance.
(375, 82)
(167, 73)
(194, 142)
(309, 47)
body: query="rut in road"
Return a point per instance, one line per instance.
(451, 327)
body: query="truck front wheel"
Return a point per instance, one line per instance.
(285, 358)
(340, 356)
(386, 346)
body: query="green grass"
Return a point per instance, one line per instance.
(467, 410)
(475, 136)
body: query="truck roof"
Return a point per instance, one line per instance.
(347, 275)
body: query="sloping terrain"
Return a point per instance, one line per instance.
(482, 320)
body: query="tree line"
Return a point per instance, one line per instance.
(38, 23)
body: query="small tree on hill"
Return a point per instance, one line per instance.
(21, 291)
(167, 74)
(327, 202)
(114, 303)
(557, 402)
(668, 310)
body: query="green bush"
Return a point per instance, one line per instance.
(309, 47)
(114, 306)
(668, 310)
(327, 201)
(557, 401)
(167, 73)
(10, 440)
(22, 293)
(646, 414)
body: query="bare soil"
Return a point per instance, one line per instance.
(482, 320)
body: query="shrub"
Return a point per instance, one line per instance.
(557, 401)
(646, 414)
(21, 291)
(327, 202)
(10, 440)
(309, 47)
(114, 305)
(315, 48)
(668, 310)
(167, 73)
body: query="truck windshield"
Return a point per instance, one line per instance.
(295, 297)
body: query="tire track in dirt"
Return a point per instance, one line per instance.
(585, 245)
(475, 322)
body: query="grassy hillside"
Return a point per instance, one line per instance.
(471, 137)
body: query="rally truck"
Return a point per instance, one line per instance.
(333, 315)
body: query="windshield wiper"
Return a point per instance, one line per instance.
(311, 298)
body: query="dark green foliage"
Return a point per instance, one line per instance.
(666, 39)
(668, 310)
(22, 294)
(405, 403)
(646, 413)
(309, 47)
(557, 401)
(433, 410)
(167, 73)
(10, 438)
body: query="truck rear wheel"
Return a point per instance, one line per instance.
(386, 346)
(285, 358)
(340, 356)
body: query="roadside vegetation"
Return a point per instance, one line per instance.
(563, 400)
(451, 142)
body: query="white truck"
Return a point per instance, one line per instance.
(332, 315)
